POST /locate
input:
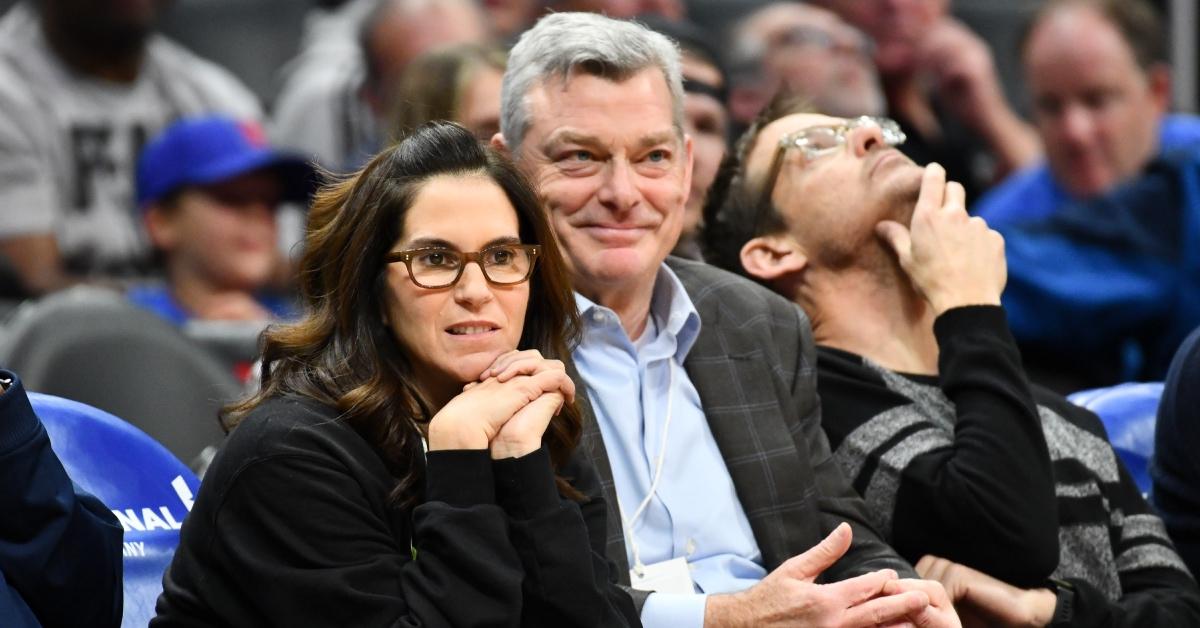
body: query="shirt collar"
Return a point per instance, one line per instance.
(670, 305)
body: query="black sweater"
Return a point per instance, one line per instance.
(292, 527)
(976, 466)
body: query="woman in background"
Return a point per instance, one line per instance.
(459, 83)
(408, 459)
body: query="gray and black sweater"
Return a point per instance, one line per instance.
(977, 466)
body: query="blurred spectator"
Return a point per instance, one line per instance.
(705, 119)
(1176, 468)
(1098, 75)
(508, 18)
(83, 83)
(1104, 278)
(329, 45)
(808, 52)
(621, 9)
(337, 113)
(941, 86)
(210, 188)
(60, 550)
(460, 83)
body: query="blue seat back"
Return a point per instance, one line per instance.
(148, 489)
(1129, 412)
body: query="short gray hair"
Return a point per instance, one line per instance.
(562, 42)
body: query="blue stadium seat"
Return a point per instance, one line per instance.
(1129, 412)
(148, 489)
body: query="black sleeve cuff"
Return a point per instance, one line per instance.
(970, 319)
(525, 486)
(459, 477)
(18, 423)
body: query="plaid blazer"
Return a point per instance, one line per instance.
(754, 366)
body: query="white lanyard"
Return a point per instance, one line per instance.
(628, 522)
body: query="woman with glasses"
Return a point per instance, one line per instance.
(408, 460)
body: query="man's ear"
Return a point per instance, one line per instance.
(772, 257)
(164, 234)
(499, 143)
(1159, 76)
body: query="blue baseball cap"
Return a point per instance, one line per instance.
(211, 149)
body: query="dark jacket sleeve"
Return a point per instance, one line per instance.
(836, 498)
(568, 580)
(995, 479)
(1176, 467)
(56, 545)
(298, 542)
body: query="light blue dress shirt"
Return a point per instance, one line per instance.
(695, 512)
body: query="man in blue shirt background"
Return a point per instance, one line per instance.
(1098, 76)
(1101, 289)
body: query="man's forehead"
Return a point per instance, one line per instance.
(1077, 32)
(588, 105)
(768, 138)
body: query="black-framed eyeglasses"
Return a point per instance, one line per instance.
(440, 267)
(815, 142)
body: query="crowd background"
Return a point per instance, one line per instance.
(304, 90)
(255, 38)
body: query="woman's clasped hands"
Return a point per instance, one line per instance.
(508, 409)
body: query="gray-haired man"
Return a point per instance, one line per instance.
(706, 424)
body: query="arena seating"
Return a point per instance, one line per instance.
(147, 488)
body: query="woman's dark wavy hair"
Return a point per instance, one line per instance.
(343, 355)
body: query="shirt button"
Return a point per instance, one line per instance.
(689, 548)
(598, 316)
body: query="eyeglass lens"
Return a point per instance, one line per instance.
(817, 140)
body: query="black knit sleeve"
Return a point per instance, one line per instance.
(974, 483)
(568, 580)
(995, 481)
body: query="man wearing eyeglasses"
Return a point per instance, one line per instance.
(1006, 493)
(703, 422)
